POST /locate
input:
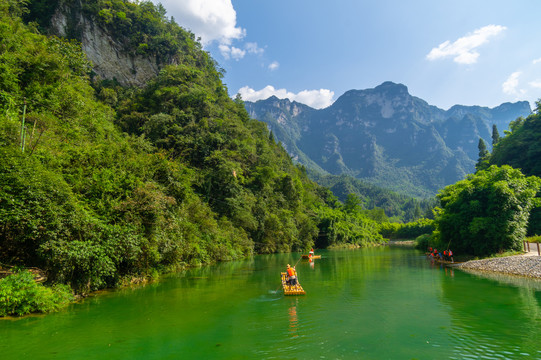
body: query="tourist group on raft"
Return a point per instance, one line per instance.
(434, 254)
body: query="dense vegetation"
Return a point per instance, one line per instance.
(494, 209)
(102, 184)
(397, 207)
(487, 212)
(411, 230)
(521, 149)
(20, 295)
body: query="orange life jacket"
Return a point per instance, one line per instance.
(291, 272)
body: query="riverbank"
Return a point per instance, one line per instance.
(521, 265)
(402, 242)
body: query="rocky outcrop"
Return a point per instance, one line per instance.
(108, 57)
(529, 266)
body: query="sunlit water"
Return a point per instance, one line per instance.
(378, 303)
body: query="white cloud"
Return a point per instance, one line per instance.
(510, 86)
(536, 61)
(237, 53)
(212, 20)
(275, 65)
(252, 48)
(229, 52)
(318, 99)
(536, 84)
(464, 49)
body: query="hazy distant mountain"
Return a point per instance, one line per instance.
(386, 136)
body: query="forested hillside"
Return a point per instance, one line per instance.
(101, 183)
(397, 207)
(521, 149)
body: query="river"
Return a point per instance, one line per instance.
(376, 303)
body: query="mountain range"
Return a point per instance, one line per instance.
(386, 136)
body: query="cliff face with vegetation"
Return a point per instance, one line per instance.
(98, 26)
(110, 60)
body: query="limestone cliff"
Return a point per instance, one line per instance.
(109, 58)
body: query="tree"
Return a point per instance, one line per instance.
(521, 149)
(353, 204)
(495, 135)
(487, 212)
(484, 155)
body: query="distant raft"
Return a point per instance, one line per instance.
(291, 289)
(313, 256)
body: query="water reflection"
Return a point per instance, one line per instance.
(293, 319)
(492, 319)
(449, 271)
(517, 281)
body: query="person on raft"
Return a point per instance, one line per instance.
(292, 275)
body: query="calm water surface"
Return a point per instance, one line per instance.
(379, 303)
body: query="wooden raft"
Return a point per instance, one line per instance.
(291, 289)
(313, 257)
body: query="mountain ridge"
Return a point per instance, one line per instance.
(386, 136)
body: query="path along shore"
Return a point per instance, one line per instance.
(528, 264)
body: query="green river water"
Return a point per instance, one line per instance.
(377, 303)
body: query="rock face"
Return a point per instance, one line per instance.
(109, 59)
(386, 136)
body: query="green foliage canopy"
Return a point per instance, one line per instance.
(487, 212)
(21, 295)
(521, 149)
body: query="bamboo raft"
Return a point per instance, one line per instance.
(313, 257)
(291, 289)
(439, 261)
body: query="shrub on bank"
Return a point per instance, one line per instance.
(422, 242)
(21, 295)
(406, 231)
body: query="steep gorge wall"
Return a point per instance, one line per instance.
(109, 59)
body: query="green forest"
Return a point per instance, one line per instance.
(495, 209)
(103, 185)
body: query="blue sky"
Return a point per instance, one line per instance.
(473, 52)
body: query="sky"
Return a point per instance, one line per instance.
(447, 52)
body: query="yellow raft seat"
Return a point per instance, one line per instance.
(291, 289)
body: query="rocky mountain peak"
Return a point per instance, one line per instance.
(387, 136)
(392, 88)
(385, 101)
